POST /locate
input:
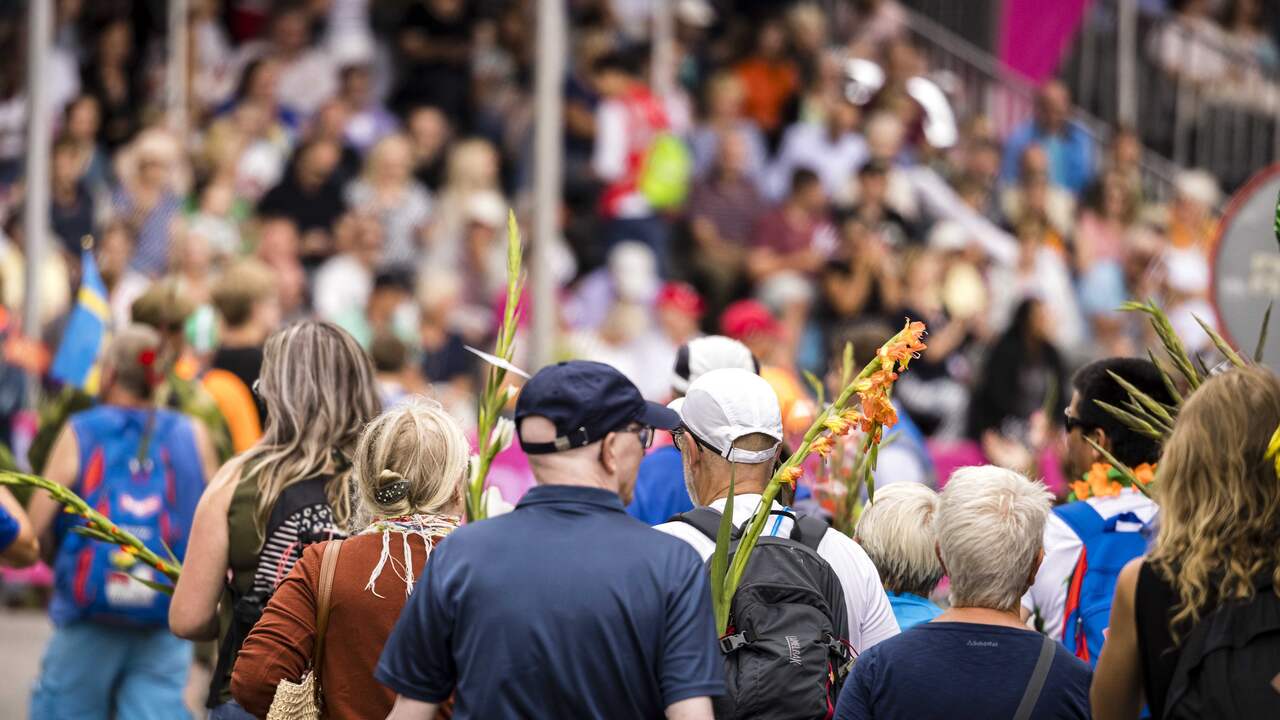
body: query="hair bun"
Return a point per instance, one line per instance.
(395, 489)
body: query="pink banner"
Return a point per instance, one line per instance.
(1034, 34)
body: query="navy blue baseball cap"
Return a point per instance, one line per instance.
(586, 401)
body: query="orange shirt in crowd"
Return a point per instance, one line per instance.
(769, 85)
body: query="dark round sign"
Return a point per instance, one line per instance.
(1246, 267)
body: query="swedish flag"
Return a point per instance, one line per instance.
(82, 340)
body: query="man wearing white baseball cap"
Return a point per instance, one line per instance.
(730, 417)
(660, 485)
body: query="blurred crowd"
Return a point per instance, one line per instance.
(355, 161)
(1225, 49)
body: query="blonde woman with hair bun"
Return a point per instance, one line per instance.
(410, 471)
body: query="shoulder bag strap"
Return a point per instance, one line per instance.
(328, 565)
(1038, 676)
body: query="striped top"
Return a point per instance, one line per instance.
(301, 516)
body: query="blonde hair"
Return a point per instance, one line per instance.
(319, 391)
(394, 145)
(1219, 496)
(417, 456)
(472, 166)
(897, 532)
(990, 527)
(240, 287)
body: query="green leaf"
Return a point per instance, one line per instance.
(158, 587)
(1130, 420)
(1155, 410)
(1169, 386)
(169, 551)
(1262, 335)
(720, 597)
(818, 391)
(869, 479)
(1218, 340)
(94, 533)
(846, 367)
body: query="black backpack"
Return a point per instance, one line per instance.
(786, 652)
(1229, 666)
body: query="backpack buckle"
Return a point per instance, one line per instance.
(730, 643)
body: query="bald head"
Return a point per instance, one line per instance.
(610, 463)
(1053, 106)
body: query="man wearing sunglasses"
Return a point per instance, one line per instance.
(1086, 542)
(564, 607)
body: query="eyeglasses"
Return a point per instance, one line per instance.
(678, 439)
(644, 432)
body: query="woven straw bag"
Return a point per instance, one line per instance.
(303, 700)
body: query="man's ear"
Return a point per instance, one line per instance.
(1099, 436)
(608, 458)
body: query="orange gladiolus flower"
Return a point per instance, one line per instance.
(821, 445)
(837, 424)
(1081, 489)
(877, 408)
(791, 475)
(903, 348)
(1144, 473)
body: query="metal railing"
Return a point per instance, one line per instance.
(978, 83)
(1203, 102)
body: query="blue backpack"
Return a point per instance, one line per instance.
(1093, 582)
(153, 497)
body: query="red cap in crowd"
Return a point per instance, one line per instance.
(746, 318)
(681, 296)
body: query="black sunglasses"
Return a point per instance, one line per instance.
(1071, 422)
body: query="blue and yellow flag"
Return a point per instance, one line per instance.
(82, 340)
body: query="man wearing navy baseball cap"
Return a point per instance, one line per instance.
(566, 606)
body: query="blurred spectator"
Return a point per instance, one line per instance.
(278, 248)
(878, 22)
(630, 275)
(874, 211)
(724, 117)
(80, 131)
(935, 392)
(861, 283)
(383, 312)
(1186, 290)
(751, 323)
(1036, 198)
(248, 304)
(628, 119)
(1069, 148)
(794, 237)
(833, 149)
(344, 282)
(724, 208)
(1191, 214)
(445, 361)
(217, 218)
(113, 248)
(1102, 235)
(1022, 376)
(434, 44)
(469, 194)
(330, 124)
(147, 196)
(71, 207)
(388, 192)
(111, 76)
(1189, 45)
(1041, 271)
(769, 77)
(398, 381)
(370, 121)
(429, 132)
(307, 75)
(310, 196)
(1248, 34)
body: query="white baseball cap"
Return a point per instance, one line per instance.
(704, 354)
(726, 405)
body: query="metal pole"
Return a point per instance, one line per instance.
(176, 71)
(662, 62)
(547, 159)
(35, 220)
(1126, 63)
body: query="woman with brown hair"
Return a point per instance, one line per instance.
(1217, 557)
(410, 471)
(291, 489)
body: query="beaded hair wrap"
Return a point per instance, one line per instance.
(393, 491)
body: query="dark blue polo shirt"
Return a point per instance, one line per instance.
(563, 608)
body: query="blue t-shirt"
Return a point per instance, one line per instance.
(960, 671)
(564, 607)
(660, 490)
(911, 610)
(8, 529)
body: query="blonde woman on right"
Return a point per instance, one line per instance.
(410, 472)
(1195, 625)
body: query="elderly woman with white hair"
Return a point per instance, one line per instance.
(897, 532)
(977, 659)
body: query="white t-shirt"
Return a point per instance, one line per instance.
(870, 616)
(1048, 594)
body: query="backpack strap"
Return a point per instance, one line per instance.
(1038, 676)
(706, 521)
(809, 531)
(1083, 520)
(1088, 525)
(328, 566)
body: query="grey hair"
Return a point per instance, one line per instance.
(319, 391)
(410, 460)
(898, 534)
(990, 528)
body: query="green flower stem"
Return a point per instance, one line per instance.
(98, 526)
